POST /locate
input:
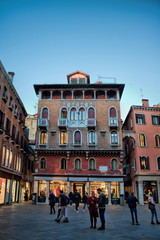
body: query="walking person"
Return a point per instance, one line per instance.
(132, 204)
(52, 201)
(101, 206)
(71, 198)
(152, 207)
(62, 208)
(85, 198)
(92, 206)
(77, 199)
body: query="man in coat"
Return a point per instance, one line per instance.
(132, 204)
(101, 206)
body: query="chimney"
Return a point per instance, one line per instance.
(11, 75)
(145, 103)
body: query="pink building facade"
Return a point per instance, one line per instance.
(141, 138)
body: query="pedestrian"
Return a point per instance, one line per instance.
(62, 208)
(152, 207)
(92, 206)
(85, 198)
(132, 204)
(52, 201)
(77, 199)
(71, 198)
(101, 206)
(26, 195)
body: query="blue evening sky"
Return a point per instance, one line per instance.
(44, 40)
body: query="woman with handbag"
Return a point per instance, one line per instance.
(152, 207)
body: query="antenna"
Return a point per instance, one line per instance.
(99, 77)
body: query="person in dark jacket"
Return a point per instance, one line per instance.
(101, 206)
(77, 199)
(52, 201)
(71, 198)
(132, 204)
(63, 202)
(85, 198)
(92, 206)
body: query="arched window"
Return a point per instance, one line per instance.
(114, 165)
(43, 137)
(157, 140)
(114, 138)
(77, 164)
(45, 112)
(144, 163)
(92, 165)
(73, 114)
(43, 163)
(91, 113)
(158, 163)
(63, 163)
(81, 114)
(113, 116)
(64, 113)
(92, 138)
(77, 138)
(142, 140)
(63, 137)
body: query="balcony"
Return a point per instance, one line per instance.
(62, 122)
(113, 122)
(7, 133)
(11, 106)
(91, 122)
(5, 97)
(43, 123)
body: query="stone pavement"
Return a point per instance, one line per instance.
(26, 221)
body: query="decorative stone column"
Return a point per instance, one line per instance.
(140, 193)
(35, 190)
(121, 193)
(109, 194)
(94, 94)
(47, 192)
(68, 188)
(105, 94)
(61, 94)
(83, 94)
(72, 95)
(50, 94)
(87, 188)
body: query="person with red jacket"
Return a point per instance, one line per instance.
(92, 206)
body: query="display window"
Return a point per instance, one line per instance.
(55, 187)
(2, 190)
(148, 188)
(7, 191)
(102, 185)
(115, 190)
(42, 191)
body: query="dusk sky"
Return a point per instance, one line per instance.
(44, 40)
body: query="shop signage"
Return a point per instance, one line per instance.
(103, 168)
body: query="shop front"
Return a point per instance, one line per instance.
(2, 190)
(113, 188)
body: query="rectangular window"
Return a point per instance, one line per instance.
(63, 137)
(140, 118)
(156, 120)
(8, 126)
(73, 80)
(81, 80)
(2, 119)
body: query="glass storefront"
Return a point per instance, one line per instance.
(115, 189)
(57, 186)
(7, 200)
(42, 191)
(15, 191)
(102, 185)
(150, 187)
(2, 190)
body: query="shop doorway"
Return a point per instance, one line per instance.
(150, 187)
(80, 188)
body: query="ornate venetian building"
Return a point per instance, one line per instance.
(78, 143)
(141, 137)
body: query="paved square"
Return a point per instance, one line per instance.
(27, 221)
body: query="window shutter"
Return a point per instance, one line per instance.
(91, 113)
(45, 113)
(112, 112)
